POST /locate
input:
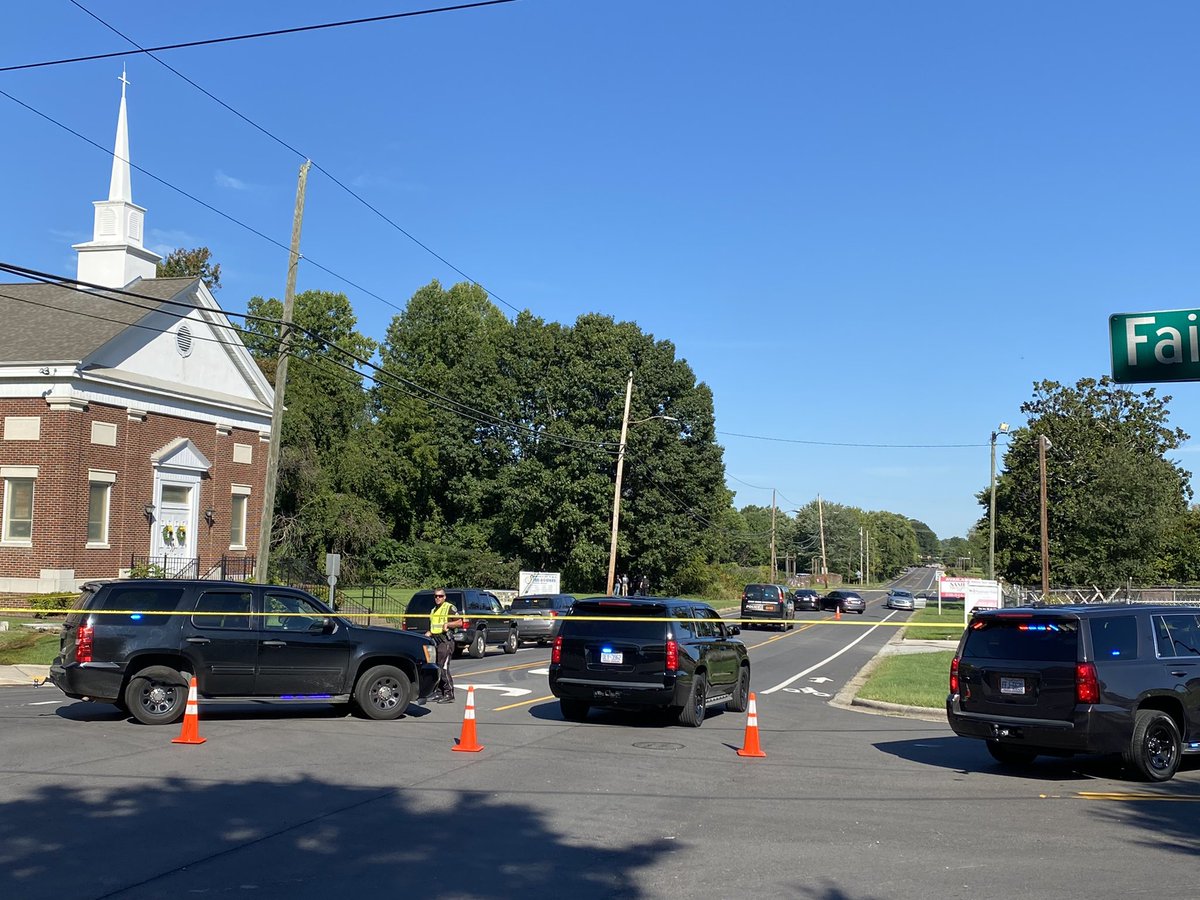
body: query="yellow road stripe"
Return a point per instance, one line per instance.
(522, 703)
(1132, 796)
(540, 662)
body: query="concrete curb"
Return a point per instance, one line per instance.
(23, 675)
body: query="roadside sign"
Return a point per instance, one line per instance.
(333, 564)
(1155, 346)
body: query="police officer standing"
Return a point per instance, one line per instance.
(442, 619)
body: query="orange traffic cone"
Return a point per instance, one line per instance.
(468, 743)
(191, 720)
(837, 614)
(751, 747)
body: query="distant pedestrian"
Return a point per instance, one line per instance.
(644, 587)
(443, 619)
(623, 586)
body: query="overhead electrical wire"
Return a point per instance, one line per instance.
(276, 32)
(316, 165)
(783, 440)
(388, 379)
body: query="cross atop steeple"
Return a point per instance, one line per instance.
(125, 82)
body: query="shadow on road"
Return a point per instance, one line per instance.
(629, 718)
(298, 838)
(84, 711)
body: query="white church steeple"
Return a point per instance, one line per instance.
(115, 255)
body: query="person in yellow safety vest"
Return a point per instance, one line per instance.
(443, 618)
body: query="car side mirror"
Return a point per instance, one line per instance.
(734, 629)
(322, 626)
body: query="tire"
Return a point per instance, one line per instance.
(382, 692)
(693, 711)
(1154, 747)
(458, 651)
(511, 643)
(157, 695)
(1011, 754)
(741, 694)
(573, 710)
(861, 612)
(478, 645)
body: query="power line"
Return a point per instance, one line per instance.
(782, 440)
(195, 199)
(389, 379)
(258, 34)
(281, 142)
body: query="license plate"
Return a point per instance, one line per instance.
(1012, 685)
(756, 606)
(615, 659)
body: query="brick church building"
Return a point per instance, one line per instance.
(133, 429)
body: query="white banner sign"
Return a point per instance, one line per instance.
(539, 583)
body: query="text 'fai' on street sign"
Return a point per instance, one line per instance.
(1155, 346)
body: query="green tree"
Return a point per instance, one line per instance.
(1114, 498)
(195, 263)
(927, 541)
(893, 543)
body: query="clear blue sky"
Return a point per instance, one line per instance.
(871, 221)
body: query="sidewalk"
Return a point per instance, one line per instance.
(23, 675)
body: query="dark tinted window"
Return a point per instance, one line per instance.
(291, 612)
(227, 609)
(756, 592)
(533, 603)
(421, 602)
(563, 602)
(476, 603)
(1114, 637)
(138, 601)
(1042, 639)
(1177, 635)
(580, 624)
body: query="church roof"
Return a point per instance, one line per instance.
(46, 323)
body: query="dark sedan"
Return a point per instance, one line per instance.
(807, 599)
(846, 601)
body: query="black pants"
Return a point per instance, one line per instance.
(445, 649)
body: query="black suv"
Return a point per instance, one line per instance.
(768, 601)
(622, 652)
(476, 633)
(1104, 678)
(138, 643)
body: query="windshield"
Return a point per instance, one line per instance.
(533, 603)
(1035, 638)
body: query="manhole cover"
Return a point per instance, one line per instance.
(657, 745)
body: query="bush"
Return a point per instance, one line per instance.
(147, 570)
(50, 602)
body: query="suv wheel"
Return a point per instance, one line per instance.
(156, 695)
(573, 710)
(511, 643)
(382, 692)
(693, 711)
(478, 645)
(741, 694)
(1011, 755)
(1154, 746)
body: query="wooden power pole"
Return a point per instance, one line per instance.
(821, 521)
(281, 367)
(773, 566)
(1043, 445)
(612, 546)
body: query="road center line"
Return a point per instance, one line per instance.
(522, 703)
(827, 659)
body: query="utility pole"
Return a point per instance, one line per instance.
(1043, 446)
(868, 536)
(773, 567)
(861, 572)
(281, 367)
(992, 507)
(821, 520)
(612, 547)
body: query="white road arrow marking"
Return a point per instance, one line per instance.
(503, 688)
(539, 671)
(820, 679)
(813, 691)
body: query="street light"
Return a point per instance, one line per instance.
(1002, 429)
(616, 513)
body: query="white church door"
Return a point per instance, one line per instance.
(174, 537)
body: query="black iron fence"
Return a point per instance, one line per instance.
(227, 568)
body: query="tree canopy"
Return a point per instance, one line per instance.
(194, 263)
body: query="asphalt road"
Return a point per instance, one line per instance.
(300, 802)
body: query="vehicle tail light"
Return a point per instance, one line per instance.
(954, 675)
(554, 613)
(83, 644)
(466, 624)
(672, 656)
(556, 650)
(404, 623)
(1087, 684)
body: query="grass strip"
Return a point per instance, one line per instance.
(911, 679)
(21, 646)
(951, 617)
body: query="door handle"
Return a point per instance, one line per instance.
(1180, 674)
(274, 643)
(198, 640)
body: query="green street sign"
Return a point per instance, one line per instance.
(1155, 346)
